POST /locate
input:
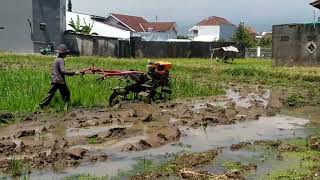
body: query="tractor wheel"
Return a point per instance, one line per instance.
(116, 97)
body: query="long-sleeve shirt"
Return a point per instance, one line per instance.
(58, 72)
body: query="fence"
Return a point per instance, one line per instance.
(155, 49)
(86, 45)
(258, 52)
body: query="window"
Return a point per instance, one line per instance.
(195, 32)
(43, 26)
(311, 47)
(284, 38)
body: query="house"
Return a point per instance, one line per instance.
(213, 28)
(263, 34)
(98, 26)
(140, 27)
(28, 25)
(251, 30)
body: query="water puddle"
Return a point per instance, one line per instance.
(308, 112)
(197, 140)
(244, 100)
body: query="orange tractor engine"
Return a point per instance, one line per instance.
(160, 67)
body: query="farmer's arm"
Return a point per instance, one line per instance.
(65, 72)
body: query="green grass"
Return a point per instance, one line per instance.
(231, 165)
(93, 140)
(16, 167)
(307, 166)
(25, 80)
(19, 169)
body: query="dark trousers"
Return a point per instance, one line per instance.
(64, 91)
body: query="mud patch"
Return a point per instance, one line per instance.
(314, 142)
(185, 166)
(164, 136)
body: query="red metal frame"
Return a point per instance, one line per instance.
(110, 73)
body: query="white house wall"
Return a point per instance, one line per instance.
(227, 31)
(100, 28)
(207, 33)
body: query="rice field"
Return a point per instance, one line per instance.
(25, 80)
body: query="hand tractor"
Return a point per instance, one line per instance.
(150, 86)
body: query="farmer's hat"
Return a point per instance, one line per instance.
(62, 48)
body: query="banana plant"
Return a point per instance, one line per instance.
(81, 29)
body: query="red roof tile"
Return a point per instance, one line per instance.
(252, 30)
(213, 21)
(132, 21)
(158, 26)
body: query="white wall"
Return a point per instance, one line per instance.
(100, 28)
(207, 33)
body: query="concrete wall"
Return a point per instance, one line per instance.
(226, 32)
(53, 14)
(86, 45)
(22, 36)
(151, 49)
(16, 35)
(100, 28)
(290, 44)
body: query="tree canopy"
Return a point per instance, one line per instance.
(243, 36)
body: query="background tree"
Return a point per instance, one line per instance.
(76, 26)
(243, 36)
(266, 41)
(81, 29)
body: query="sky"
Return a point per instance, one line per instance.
(260, 14)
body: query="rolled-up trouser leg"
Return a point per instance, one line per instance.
(51, 93)
(65, 93)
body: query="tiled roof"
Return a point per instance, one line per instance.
(213, 21)
(252, 30)
(132, 21)
(158, 26)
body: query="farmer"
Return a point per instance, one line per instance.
(58, 78)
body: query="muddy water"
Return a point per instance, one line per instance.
(201, 139)
(232, 95)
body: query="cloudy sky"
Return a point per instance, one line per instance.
(258, 13)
